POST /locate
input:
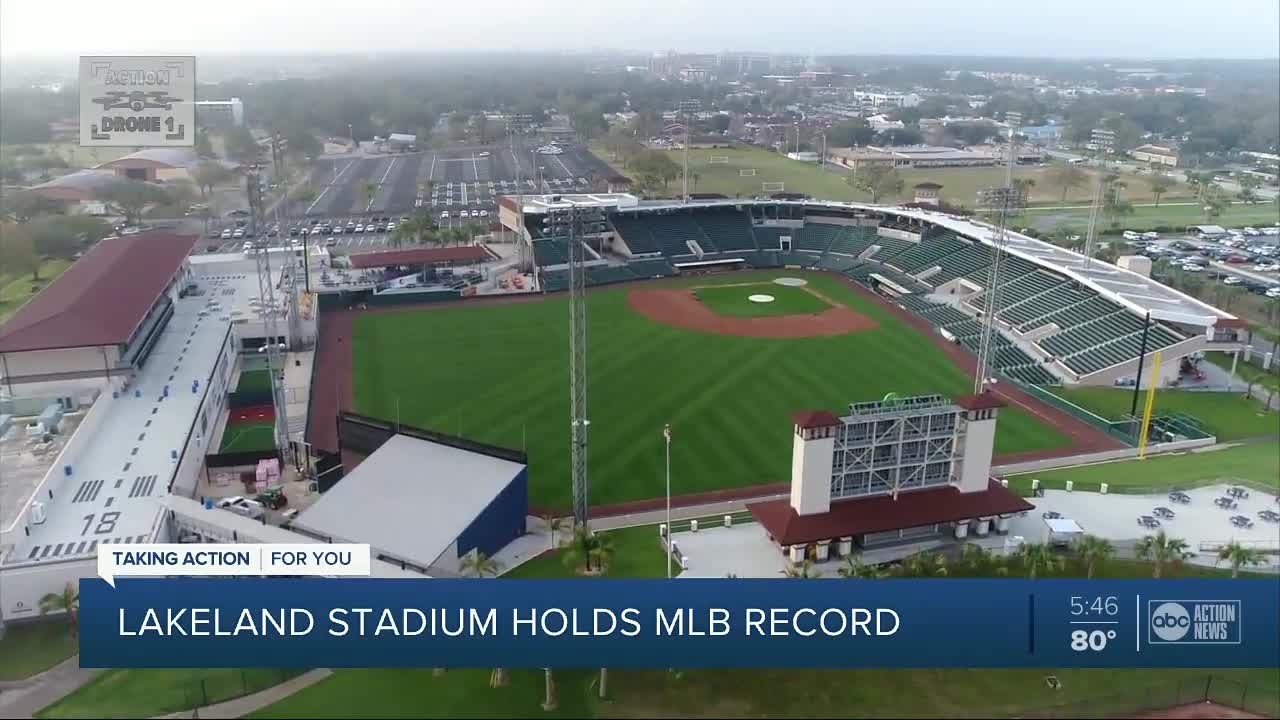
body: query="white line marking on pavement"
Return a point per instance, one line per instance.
(326, 187)
(380, 182)
(474, 167)
(433, 166)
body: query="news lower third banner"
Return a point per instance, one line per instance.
(347, 622)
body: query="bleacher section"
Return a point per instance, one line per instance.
(969, 259)
(767, 237)
(549, 252)
(853, 240)
(553, 280)
(728, 230)
(1006, 357)
(1025, 315)
(673, 231)
(635, 232)
(890, 247)
(925, 255)
(815, 237)
(606, 274)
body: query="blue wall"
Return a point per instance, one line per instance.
(501, 522)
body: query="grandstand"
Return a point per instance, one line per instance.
(1059, 321)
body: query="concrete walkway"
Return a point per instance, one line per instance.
(45, 689)
(242, 706)
(687, 512)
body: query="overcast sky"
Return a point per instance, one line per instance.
(1057, 28)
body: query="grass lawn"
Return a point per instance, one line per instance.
(254, 381)
(15, 289)
(1248, 372)
(495, 373)
(1146, 217)
(147, 693)
(734, 301)
(1230, 416)
(244, 437)
(415, 693)
(960, 186)
(636, 554)
(29, 648)
(1255, 463)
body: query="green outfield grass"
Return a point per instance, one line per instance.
(1256, 464)
(246, 437)
(254, 381)
(734, 300)
(1229, 416)
(497, 374)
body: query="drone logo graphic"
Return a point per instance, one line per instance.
(137, 100)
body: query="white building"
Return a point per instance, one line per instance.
(219, 113)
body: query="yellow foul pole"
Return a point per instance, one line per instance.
(1151, 401)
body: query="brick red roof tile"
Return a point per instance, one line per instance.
(815, 419)
(882, 512)
(102, 298)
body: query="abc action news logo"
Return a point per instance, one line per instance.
(1193, 622)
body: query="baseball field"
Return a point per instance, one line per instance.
(498, 373)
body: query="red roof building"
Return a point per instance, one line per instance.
(100, 303)
(882, 512)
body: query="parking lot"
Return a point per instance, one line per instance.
(1251, 261)
(330, 232)
(452, 181)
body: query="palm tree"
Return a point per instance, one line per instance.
(1068, 177)
(1159, 186)
(926, 565)
(854, 568)
(587, 552)
(554, 525)
(405, 231)
(801, 571)
(551, 701)
(370, 190)
(1239, 555)
(979, 562)
(478, 564)
(1037, 557)
(67, 601)
(1160, 549)
(1023, 186)
(1092, 551)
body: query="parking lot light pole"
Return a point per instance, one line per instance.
(666, 435)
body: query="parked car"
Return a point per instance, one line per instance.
(226, 234)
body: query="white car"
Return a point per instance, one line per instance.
(370, 228)
(484, 154)
(484, 213)
(1150, 236)
(226, 234)
(237, 234)
(1131, 235)
(1192, 268)
(444, 215)
(1251, 231)
(1273, 292)
(464, 214)
(229, 501)
(1232, 280)
(360, 228)
(391, 227)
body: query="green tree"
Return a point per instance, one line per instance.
(1249, 185)
(1159, 186)
(406, 231)
(203, 147)
(1023, 186)
(479, 565)
(23, 206)
(209, 174)
(1067, 177)
(879, 181)
(854, 568)
(1037, 558)
(1238, 556)
(67, 601)
(130, 197)
(1214, 205)
(370, 191)
(799, 571)
(18, 250)
(1093, 551)
(926, 564)
(240, 145)
(586, 552)
(1161, 550)
(300, 142)
(979, 562)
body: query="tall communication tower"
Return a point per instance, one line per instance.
(1004, 199)
(271, 309)
(1091, 235)
(575, 223)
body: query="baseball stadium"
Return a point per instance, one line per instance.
(720, 317)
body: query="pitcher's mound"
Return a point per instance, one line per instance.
(679, 307)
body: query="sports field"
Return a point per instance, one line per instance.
(254, 381)
(735, 300)
(247, 437)
(497, 373)
(1177, 215)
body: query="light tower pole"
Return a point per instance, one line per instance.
(686, 107)
(1005, 198)
(575, 223)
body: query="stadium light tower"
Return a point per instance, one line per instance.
(271, 310)
(575, 222)
(1004, 198)
(686, 107)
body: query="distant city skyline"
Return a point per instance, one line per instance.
(1085, 29)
